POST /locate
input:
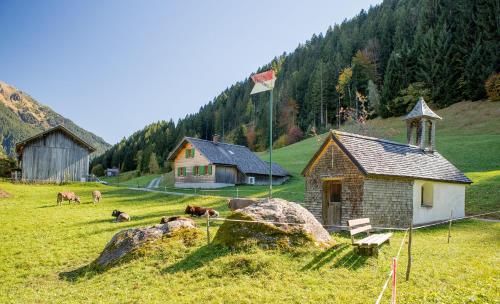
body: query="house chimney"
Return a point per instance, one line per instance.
(216, 138)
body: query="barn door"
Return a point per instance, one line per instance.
(332, 206)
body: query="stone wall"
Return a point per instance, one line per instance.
(388, 202)
(333, 163)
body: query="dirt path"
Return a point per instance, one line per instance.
(155, 183)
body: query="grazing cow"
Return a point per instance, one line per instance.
(96, 196)
(167, 219)
(120, 216)
(201, 211)
(67, 196)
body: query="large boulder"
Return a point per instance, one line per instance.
(126, 242)
(286, 225)
(240, 203)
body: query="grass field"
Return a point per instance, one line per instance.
(44, 250)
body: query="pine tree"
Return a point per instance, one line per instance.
(239, 137)
(153, 166)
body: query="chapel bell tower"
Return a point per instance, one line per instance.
(421, 126)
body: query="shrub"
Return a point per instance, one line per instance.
(98, 170)
(492, 87)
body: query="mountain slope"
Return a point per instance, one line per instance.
(22, 116)
(391, 53)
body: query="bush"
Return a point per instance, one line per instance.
(492, 87)
(98, 170)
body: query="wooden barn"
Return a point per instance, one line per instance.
(202, 163)
(393, 184)
(55, 155)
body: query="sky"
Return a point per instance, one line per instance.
(115, 66)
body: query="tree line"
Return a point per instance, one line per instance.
(378, 62)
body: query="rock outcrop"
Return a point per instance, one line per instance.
(287, 224)
(126, 242)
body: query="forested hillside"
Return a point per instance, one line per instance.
(21, 116)
(375, 64)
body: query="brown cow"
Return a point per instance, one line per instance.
(200, 211)
(120, 216)
(67, 196)
(96, 196)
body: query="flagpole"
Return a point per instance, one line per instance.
(271, 143)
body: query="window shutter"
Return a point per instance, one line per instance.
(209, 170)
(184, 169)
(187, 153)
(178, 171)
(202, 170)
(192, 152)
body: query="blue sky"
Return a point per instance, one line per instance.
(115, 66)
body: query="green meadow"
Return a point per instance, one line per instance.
(46, 251)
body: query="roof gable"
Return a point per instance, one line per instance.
(20, 146)
(376, 156)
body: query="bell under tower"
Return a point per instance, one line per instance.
(421, 126)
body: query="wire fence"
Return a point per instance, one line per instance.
(392, 273)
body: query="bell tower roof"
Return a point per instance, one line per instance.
(421, 110)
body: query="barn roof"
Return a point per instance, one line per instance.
(227, 154)
(20, 145)
(374, 156)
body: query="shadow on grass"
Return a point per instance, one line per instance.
(87, 271)
(351, 261)
(325, 257)
(202, 256)
(340, 256)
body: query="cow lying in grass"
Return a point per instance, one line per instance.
(96, 196)
(120, 216)
(67, 196)
(201, 211)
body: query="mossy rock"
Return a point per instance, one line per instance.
(299, 227)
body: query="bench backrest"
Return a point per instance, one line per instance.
(357, 226)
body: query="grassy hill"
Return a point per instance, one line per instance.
(46, 250)
(21, 116)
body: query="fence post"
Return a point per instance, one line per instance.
(408, 267)
(208, 228)
(393, 298)
(237, 192)
(449, 226)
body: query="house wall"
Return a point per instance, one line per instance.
(388, 202)
(198, 160)
(54, 158)
(446, 197)
(263, 180)
(334, 163)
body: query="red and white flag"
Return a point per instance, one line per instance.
(263, 81)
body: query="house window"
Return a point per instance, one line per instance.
(189, 153)
(196, 170)
(181, 171)
(427, 195)
(209, 170)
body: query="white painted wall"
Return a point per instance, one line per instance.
(447, 197)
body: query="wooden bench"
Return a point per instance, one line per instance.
(369, 245)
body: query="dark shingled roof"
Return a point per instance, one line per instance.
(375, 156)
(227, 154)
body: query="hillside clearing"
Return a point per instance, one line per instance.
(43, 262)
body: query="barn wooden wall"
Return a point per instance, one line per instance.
(54, 158)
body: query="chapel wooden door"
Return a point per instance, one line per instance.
(332, 202)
